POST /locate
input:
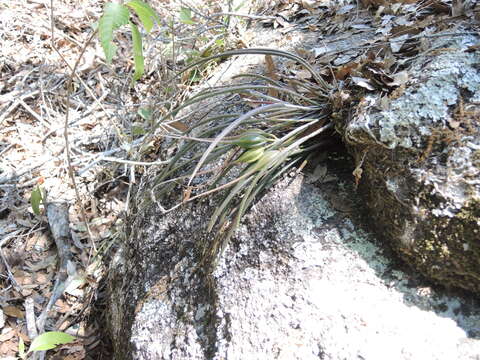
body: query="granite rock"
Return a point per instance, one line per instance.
(418, 160)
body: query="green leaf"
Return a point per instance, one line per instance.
(35, 200)
(265, 161)
(251, 139)
(21, 348)
(251, 155)
(186, 16)
(137, 52)
(144, 12)
(138, 131)
(114, 16)
(145, 114)
(50, 340)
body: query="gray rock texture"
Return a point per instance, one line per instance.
(300, 280)
(419, 151)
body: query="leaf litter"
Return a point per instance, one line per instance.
(364, 48)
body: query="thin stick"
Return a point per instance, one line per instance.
(15, 104)
(34, 114)
(67, 112)
(8, 178)
(256, 17)
(132, 162)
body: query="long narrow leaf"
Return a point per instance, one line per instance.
(220, 209)
(264, 51)
(137, 52)
(227, 130)
(145, 13)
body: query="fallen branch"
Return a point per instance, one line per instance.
(57, 215)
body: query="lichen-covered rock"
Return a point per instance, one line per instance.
(298, 281)
(420, 155)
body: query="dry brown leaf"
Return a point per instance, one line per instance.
(406, 29)
(22, 278)
(62, 307)
(357, 173)
(6, 334)
(41, 278)
(186, 193)
(271, 72)
(454, 124)
(27, 292)
(13, 311)
(343, 71)
(179, 126)
(303, 74)
(24, 336)
(9, 348)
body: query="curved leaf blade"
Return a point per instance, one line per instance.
(226, 131)
(137, 52)
(114, 16)
(144, 12)
(186, 16)
(50, 340)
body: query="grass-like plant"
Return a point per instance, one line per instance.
(244, 154)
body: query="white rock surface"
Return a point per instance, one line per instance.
(301, 281)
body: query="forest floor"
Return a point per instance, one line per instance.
(102, 122)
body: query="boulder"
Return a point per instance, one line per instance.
(418, 162)
(299, 280)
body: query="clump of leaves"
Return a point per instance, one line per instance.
(115, 16)
(245, 153)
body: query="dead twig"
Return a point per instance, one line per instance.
(15, 103)
(255, 17)
(10, 177)
(67, 112)
(34, 114)
(30, 318)
(57, 215)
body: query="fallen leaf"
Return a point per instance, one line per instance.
(345, 58)
(303, 74)
(43, 264)
(13, 311)
(6, 334)
(271, 73)
(362, 82)
(345, 70)
(62, 307)
(26, 292)
(179, 126)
